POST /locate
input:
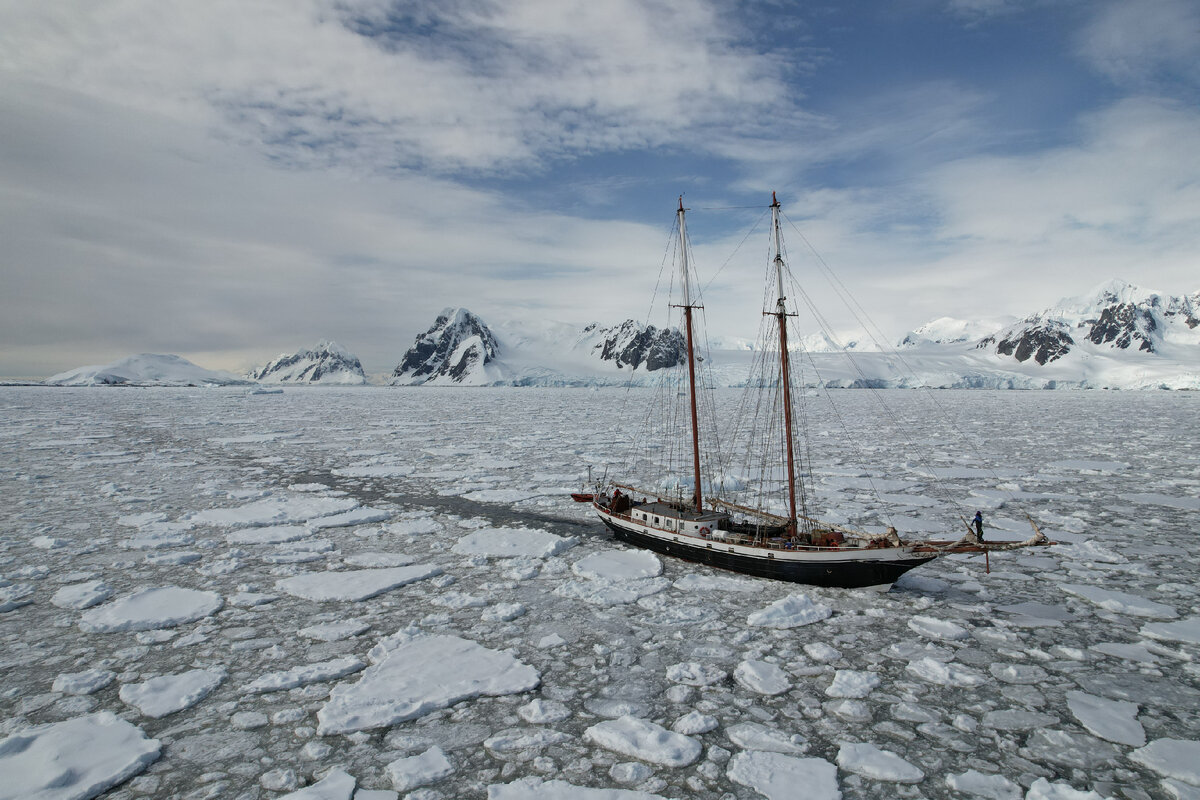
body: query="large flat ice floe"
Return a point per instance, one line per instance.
(779, 777)
(149, 609)
(354, 584)
(166, 694)
(642, 739)
(280, 510)
(414, 674)
(790, 612)
(73, 760)
(538, 789)
(513, 543)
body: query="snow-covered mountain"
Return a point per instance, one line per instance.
(461, 349)
(326, 363)
(146, 369)
(1114, 316)
(457, 349)
(635, 345)
(948, 330)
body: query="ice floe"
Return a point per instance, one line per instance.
(882, 765)
(642, 739)
(408, 679)
(419, 770)
(779, 777)
(76, 758)
(762, 677)
(147, 609)
(305, 674)
(354, 584)
(790, 612)
(166, 694)
(512, 543)
(82, 595)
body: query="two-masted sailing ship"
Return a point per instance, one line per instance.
(778, 539)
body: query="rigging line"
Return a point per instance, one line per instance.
(725, 208)
(851, 303)
(753, 228)
(866, 383)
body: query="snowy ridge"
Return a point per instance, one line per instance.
(457, 349)
(146, 369)
(1114, 316)
(326, 363)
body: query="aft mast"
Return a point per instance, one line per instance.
(781, 315)
(691, 357)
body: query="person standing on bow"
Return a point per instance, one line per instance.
(978, 524)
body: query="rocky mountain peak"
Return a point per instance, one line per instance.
(455, 349)
(328, 362)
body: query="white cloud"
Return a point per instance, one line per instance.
(1144, 42)
(498, 86)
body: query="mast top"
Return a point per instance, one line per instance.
(681, 202)
(774, 201)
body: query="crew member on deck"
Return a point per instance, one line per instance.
(979, 524)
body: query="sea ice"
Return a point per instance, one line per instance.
(540, 711)
(288, 508)
(82, 595)
(1042, 789)
(512, 543)
(379, 560)
(73, 760)
(933, 628)
(502, 612)
(86, 682)
(1185, 630)
(419, 770)
(694, 723)
(988, 787)
(355, 516)
(753, 736)
(693, 582)
(1114, 720)
(538, 789)
(696, 673)
(881, 765)
(852, 684)
(354, 584)
(1172, 758)
(779, 777)
(167, 694)
(334, 631)
(408, 678)
(762, 677)
(618, 565)
(790, 612)
(611, 593)
(642, 739)
(523, 740)
(274, 534)
(305, 674)
(1120, 602)
(148, 609)
(337, 785)
(944, 674)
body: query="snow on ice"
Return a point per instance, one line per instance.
(542, 659)
(408, 678)
(75, 758)
(166, 694)
(147, 609)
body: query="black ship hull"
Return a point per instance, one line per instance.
(847, 573)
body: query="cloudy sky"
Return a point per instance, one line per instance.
(232, 180)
